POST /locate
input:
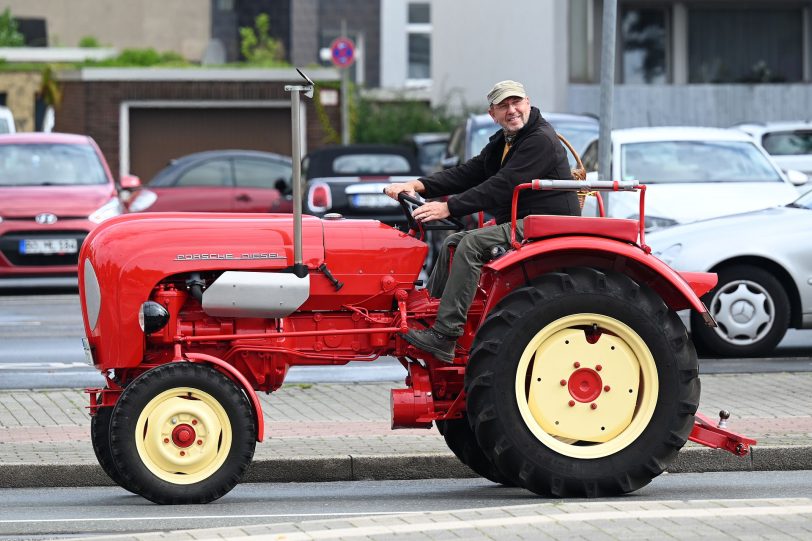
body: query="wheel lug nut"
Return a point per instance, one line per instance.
(194, 421)
(166, 440)
(594, 406)
(174, 421)
(563, 382)
(607, 388)
(576, 364)
(183, 453)
(598, 368)
(572, 403)
(200, 442)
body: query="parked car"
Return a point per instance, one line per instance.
(349, 179)
(429, 149)
(789, 143)
(470, 137)
(764, 262)
(220, 181)
(54, 189)
(7, 124)
(691, 174)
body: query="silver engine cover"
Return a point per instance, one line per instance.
(255, 294)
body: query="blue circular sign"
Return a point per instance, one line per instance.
(342, 52)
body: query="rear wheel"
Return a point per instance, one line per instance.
(752, 313)
(583, 384)
(182, 433)
(461, 440)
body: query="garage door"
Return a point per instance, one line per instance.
(158, 135)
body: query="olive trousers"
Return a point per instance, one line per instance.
(456, 285)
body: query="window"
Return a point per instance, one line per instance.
(419, 43)
(643, 38)
(788, 143)
(211, 173)
(261, 173)
(745, 45)
(371, 164)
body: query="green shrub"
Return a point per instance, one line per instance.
(258, 47)
(390, 122)
(10, 36)
(88, 42)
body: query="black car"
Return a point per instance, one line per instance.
(349, 180)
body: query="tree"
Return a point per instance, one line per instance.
(258, 47)
(10, 36)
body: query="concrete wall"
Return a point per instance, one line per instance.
(183, 26)
(477, 43)
(697, 105)
(20, 89)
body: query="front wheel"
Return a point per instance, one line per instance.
(182, 433)
(461, 440)
(583, 384)
(752, 313)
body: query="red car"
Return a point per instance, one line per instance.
(220, 181)
(54, 189)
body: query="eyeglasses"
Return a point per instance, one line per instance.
(508, 103)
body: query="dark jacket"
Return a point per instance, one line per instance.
(484, 183)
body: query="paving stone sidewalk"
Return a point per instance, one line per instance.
(332, 432)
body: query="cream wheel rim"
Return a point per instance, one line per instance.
(586, 398)
(183, 435)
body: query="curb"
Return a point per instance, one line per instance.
(396, 467)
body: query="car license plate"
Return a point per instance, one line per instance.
(373, 201)
(88, 352)
(49, 246)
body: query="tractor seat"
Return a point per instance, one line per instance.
(539, 226)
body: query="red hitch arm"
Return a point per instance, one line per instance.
(709, 434)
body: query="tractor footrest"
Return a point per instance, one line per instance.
(707, 433)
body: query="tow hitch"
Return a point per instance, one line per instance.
(717, 436)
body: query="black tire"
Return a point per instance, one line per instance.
(751, 309)
(182, 433)
(461, 440)
(515, 413)
(100, 438)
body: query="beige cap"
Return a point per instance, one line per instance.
(506, 89)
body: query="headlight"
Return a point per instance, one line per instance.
(143, 201)
(108, 210)
(152, 317)
(656, 222)
(669, 255)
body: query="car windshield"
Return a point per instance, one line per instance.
(49, 165)
(432, 153)
(479, 138)
(695, 161)
(371, 164)
(788, 143)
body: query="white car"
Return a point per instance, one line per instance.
(789, 144)
(764, 262)
(691, 174)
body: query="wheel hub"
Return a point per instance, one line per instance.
(585, 385)
(592, 399)
(183, 436)
(742, 311)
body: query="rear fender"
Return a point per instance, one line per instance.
(678, 290)
(235, 374)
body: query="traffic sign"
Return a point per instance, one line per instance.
(342, 52)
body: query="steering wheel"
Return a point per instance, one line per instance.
(409, 203)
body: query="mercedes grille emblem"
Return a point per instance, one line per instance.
(45, 218)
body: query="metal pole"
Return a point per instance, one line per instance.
(297, 178)
(345, 93)
(607, 90)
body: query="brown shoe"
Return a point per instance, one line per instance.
(437, 344)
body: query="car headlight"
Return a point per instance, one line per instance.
(656, 222)
(108, 210)
(142, 201)
(669, 255)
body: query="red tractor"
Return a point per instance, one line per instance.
(575, 376)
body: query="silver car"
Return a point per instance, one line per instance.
(764, 262)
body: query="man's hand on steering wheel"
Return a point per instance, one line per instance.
(411, 206)
(432, 210)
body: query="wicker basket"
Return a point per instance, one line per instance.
(579, 173)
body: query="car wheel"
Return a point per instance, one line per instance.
(752, 312)
(583, 384)
(182, 433)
